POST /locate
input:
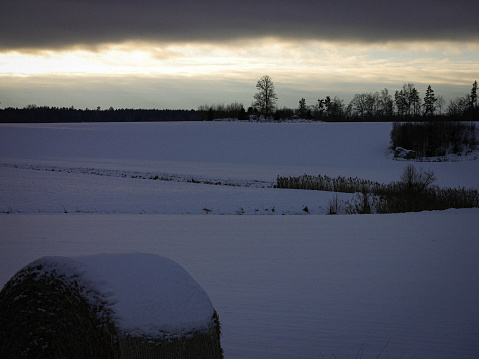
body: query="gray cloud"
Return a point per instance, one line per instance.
(63, 23)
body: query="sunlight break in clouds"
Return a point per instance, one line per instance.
(257, 57)
(309, 66)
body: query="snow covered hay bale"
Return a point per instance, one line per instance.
(107, 306)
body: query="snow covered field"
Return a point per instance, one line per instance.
(291, 286)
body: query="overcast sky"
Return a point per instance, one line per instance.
(184, 53)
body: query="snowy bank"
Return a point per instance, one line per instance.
(131, 299)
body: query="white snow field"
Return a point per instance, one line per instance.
(284, 286)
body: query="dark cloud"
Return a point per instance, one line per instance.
(63, 23)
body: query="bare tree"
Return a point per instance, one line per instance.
(265, 98)
(386, 103)
(365, 104)
(459, 105)
(416, 181)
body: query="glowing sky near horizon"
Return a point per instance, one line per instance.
(84, 56)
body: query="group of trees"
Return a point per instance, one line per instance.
(406, 103)
(46, 114)
(233, 110)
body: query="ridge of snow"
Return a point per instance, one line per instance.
(168, 177)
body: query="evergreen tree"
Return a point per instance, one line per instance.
(242, 115)
(334, 108)
(302, 108)
(408, 101)
(320, 108)
(474, 95)
(415, 101)
(211, 114)
(402, 103)
(429, 102)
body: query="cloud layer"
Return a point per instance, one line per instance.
(50, 24)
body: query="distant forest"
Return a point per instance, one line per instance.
(406, 105)
(45, 114)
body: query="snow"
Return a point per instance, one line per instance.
(68, 190)
(252, 151)
(148, 295)
(292, 286)
(403, 153)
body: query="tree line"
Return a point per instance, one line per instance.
(45, 114)
(406, 104)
